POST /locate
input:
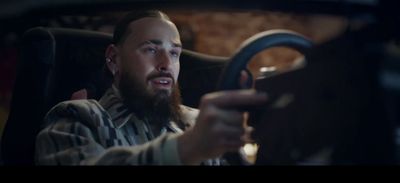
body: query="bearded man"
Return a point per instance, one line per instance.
(140, 120)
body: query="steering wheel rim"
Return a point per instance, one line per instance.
(255, 44)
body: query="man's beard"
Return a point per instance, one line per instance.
(158, 107)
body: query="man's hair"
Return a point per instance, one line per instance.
(121, 30)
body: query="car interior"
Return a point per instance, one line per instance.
(339, 107)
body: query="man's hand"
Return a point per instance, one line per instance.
(220, 127)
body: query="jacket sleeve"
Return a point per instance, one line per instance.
(70, 137)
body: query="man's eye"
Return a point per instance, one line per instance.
(151, 50)
(174, 53)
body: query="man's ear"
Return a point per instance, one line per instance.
(80, 94)
(111, 58)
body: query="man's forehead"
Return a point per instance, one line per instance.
(152, 28)
(151, 24)
(160, 42)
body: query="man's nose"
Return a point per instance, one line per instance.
(164, 61)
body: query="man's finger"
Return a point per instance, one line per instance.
(236, 98)
(231, 117)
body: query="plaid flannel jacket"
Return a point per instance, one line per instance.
(87, 132)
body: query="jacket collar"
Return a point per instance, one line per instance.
(112, 103)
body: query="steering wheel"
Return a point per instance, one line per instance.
(255, 44)
(229, 80)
